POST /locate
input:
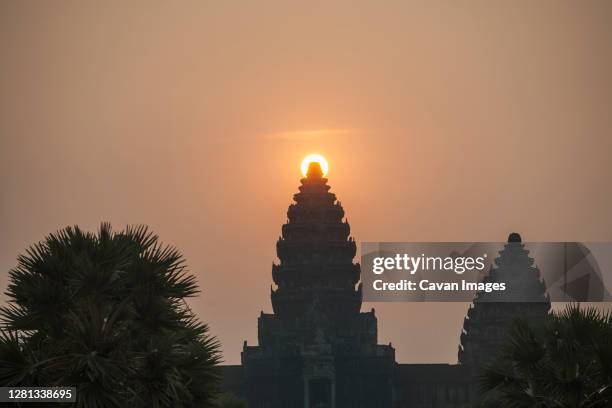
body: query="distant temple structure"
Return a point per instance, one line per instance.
(484, 327)
(318, 350)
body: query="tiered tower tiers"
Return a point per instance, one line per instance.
(316, 274)
(489, 317)
(317, 349)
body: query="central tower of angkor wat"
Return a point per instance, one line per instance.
(317, 349)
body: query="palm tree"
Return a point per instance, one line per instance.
(565, 362)
(106, 313)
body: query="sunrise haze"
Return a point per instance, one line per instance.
(447, 122)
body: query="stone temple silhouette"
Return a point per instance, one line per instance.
(318, 350)
(484, 327)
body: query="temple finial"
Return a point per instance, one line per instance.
(314, 170)
(314, 166)
(515, 237)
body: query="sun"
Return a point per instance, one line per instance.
(314, 158)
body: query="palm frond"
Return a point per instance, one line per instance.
(107, 313)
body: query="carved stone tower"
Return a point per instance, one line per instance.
(317, 350)
(490, 316)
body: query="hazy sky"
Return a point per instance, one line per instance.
(441, 121)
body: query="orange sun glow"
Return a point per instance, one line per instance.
(314, 158)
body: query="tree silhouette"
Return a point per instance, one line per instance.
(106, 313)
(565, 362)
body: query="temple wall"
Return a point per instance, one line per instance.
(413, 386)
(432, 386)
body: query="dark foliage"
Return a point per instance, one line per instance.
(106, 313)
(565, 362)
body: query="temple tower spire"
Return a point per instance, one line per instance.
(316, 273)
(317, 349)
(491, 314)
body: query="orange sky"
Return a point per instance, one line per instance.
(440, 121)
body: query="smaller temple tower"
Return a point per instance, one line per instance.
(317, 350)
(490, 315)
